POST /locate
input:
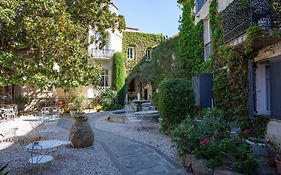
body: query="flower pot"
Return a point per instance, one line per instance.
(73, 112)
(81, 134)
(278, 166)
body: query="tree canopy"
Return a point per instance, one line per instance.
(36, 35)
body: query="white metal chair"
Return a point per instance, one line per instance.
(146, 106)
(36, 156)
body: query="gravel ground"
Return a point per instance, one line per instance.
(91, 160)
(147, 133)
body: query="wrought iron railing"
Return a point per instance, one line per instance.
(103, 53)
(242, 14)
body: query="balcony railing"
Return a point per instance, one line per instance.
(102, 54)
(242, 14)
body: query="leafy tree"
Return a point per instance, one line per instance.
(35, 35)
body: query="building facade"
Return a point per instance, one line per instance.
(264, 69)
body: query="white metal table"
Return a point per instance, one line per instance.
(47, 145)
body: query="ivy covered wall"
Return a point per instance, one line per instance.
(140, 42)
(164, 63)
(191, 43)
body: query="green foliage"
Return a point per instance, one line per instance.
(175, 102)
(259, 125)
(209, 138)
(191, 43)
(186, 136)
(76, 102)
(118, 76)
(229, 72)
(216, 26)
(141, 42)
(211, 126)
(37, 34)
(109, 100)
(164, 63)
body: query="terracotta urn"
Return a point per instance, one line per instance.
(81, 134)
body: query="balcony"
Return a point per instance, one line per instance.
(242, 14)
(102, 54)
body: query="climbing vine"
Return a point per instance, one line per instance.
(229, 72)
(191, 43)
(164, 63)
(140, 42)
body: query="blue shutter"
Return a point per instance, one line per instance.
(251, 99)
(275, 88)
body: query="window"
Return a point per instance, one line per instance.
(198, 5)
(207, 39)
(130, 53)
(104, 78)
(148, 55)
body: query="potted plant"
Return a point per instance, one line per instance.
(72, 109)
(75, 105)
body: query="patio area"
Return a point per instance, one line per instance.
(111, 140)
(91, 160)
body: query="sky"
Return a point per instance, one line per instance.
(151, 16)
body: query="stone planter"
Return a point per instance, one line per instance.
(81, 134)
(73, 112)
(258, 148)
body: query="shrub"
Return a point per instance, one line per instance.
(109, 100)
(213, 125)
(76, 102)
(118, 76)
(209, 138)
(175, 102)
(186, 136)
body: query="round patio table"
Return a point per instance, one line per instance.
(139, 102)
(47, 145)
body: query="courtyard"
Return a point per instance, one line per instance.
(117, 149)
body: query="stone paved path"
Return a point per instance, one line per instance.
(131, 157)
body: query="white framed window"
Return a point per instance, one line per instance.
(104, 78)
(131, 53)
(148, 55)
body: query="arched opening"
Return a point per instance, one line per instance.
(136, 86)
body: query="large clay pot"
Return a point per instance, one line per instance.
(81, 134)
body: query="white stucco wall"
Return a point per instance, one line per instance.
(273, 132)
(222, 4)
(115, 41)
